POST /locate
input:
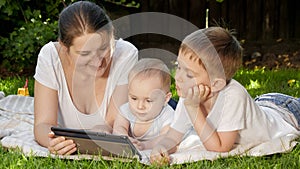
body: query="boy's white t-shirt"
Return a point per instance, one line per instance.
(233, 110)
(163, 119)
(49, 72)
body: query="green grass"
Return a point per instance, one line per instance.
(256, 82)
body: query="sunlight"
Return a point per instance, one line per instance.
(253, 85)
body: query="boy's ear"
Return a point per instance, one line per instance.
(218, 84)
(168, 97)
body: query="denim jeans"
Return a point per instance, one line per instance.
(286, 102)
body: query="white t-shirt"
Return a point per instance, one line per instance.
(49, 72)
(163, 119)
(233, 110)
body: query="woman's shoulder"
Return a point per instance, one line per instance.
(123, 46)
(48, 47)
(48, 52)
(125, 53)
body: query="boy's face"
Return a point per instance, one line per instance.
(188, 74)
(146, 97)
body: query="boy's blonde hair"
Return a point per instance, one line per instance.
(217, 49)
(151, 67)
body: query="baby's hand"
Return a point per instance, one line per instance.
(60, 146)
(159, 156)
(196, 95)
(137, 143)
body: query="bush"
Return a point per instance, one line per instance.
(20, 49)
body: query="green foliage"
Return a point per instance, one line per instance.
(21, 48)
(27, 25)
(10, 85)
(126, 3)
(173, 86)
(20, 10)
(8, 6)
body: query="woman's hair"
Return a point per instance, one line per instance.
(80, 18)
(151, 67)
(218, 50)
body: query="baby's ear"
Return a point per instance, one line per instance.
(168, 97)
(218, 84)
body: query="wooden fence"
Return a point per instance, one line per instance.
(252, 19)
(261, 23)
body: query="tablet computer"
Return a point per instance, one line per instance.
(99, 143)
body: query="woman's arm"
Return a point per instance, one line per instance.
(45, 112)
(45, 116)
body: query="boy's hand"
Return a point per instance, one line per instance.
(196, 95)
(159, 156)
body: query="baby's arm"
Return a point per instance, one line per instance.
(121, 125)
(149, 144)
(211, 139)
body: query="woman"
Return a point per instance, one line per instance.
(81, 80)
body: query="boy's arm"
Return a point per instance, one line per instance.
(121, 125)
(167, 144)
(211, 139)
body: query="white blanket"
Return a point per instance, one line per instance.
(16, 131)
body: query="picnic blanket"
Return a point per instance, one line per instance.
(16, 131)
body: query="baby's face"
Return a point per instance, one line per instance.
(146, 99)
(188, 74)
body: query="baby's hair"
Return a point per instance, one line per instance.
(217, 48)
(151, 67)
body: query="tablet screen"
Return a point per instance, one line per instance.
(98, 143)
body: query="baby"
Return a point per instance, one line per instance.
(147, 115)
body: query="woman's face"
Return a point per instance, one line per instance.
(91, 53)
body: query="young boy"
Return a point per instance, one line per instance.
(147, 115)
(219, 109)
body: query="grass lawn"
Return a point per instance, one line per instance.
(256, 82)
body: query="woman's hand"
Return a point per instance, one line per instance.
(196, 95)
(60, 146)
